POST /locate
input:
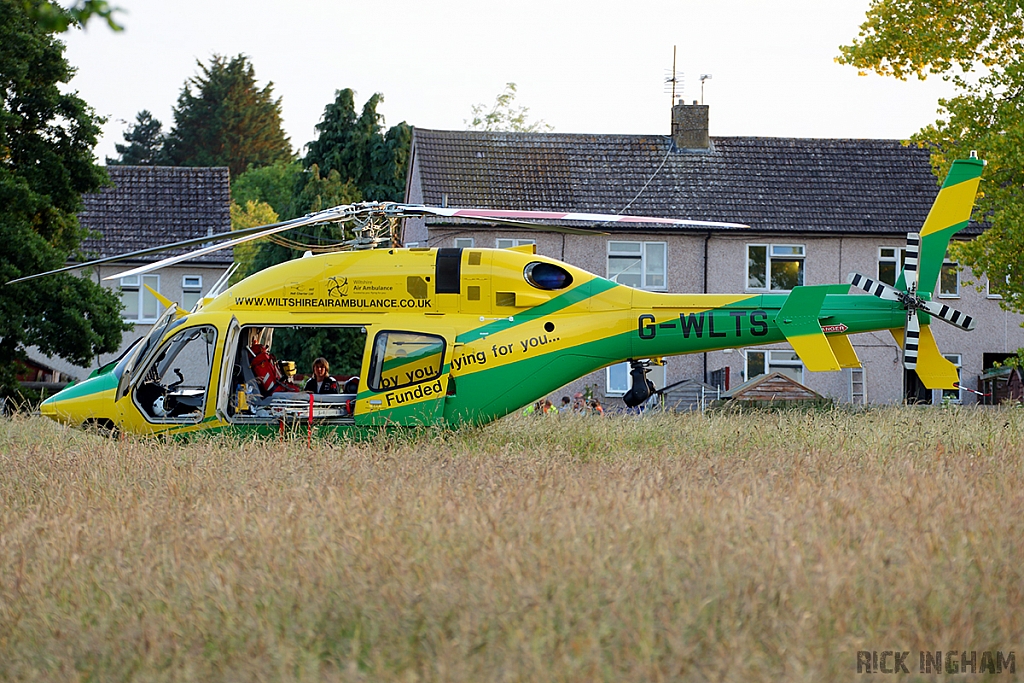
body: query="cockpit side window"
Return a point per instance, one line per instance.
(175, 383)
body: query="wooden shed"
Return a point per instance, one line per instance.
(1000, 385)
(773, 389)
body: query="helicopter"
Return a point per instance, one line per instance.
(460, 336)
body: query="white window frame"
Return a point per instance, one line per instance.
(647, 274)
(858, 376)
(898, 257)
(946, 263)
(188, 288)
(509, 242)
(954, 395)
(770, 253)
(988, 289)
(773, 362)
(464, 242)
(133, 284)
(657, 375)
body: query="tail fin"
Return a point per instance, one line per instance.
(926, 252)
(950, 213)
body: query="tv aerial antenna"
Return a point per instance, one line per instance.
(671, 79)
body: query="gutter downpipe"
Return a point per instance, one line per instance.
(707, 238)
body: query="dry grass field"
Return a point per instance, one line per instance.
(758, 547)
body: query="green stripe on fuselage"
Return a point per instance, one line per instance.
(585, 291)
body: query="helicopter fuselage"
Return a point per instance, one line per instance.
(451, 337)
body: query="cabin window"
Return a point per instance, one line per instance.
(191, 291)
(891, 261)
(547, 276)
(618, 381)
(404, 358)
(464, 243)
(642, 265)
(140, 306)
(762, 362)
(173, 386)
(775, 267)
(949, 280)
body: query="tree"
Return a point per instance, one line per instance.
(357, 149)
(224, 119)
(145, 145)
(46, 163)
(55, 19)
(343, 347)
(275, 185)
(250, 214)
(316, 193)
(351, 160)
(975, 46)
(505, 116)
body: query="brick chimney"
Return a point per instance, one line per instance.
(690, 126)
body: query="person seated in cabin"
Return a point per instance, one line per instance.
(321, 382)
(265, 366)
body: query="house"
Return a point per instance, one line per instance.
(818, 209)
(149, 206)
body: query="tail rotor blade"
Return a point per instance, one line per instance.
(910, 265)
(911, 341)
(879, 289)
(949, 315)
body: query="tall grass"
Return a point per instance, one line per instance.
(719, 547)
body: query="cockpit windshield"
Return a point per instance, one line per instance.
(144, 348)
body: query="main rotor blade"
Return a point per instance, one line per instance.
(216, 237)
(564, 229)
(335, 214)
(484, 214)
(384, 209)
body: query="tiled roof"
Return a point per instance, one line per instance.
(153, 205)
(771, 184)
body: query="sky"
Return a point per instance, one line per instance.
(594, 67)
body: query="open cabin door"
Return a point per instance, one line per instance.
(407, 375)
(227, 368)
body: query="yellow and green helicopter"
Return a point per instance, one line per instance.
(465, 336)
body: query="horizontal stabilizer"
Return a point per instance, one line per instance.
(798, 320)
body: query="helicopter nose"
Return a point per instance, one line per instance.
(47, 409)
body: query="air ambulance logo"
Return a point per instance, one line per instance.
(337, 286)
